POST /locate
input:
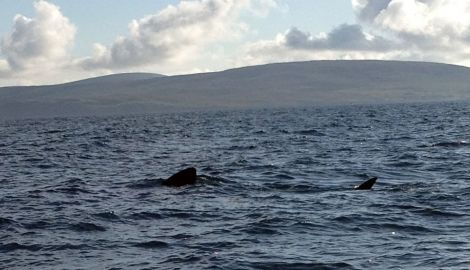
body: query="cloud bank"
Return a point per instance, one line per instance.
(343, 38)
(430, 30)
(173, 33)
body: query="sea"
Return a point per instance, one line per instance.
(274, 191)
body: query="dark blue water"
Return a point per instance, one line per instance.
(275, 190)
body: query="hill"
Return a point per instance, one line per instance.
(314, 83)
(117, 78)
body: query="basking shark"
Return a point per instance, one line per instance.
(188, 176)
(367, 184)
(182, 178)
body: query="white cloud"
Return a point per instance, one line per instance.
(429, 30)
(344, 42)
(262, 8)
(39, 43)
(344, 37)
(278, 50)
(4, 67)
(177, 33)
(423, 24)
(437, 30)
(439, 20)
(367, 10)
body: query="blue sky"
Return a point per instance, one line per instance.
(54, 41)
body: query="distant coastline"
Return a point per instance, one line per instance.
(292, 84)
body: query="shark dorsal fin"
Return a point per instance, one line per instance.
(367, 184)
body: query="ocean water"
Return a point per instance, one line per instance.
(274, 190)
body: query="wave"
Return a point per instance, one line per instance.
(405, 164)
(55, 131)
(432, 212)
(241, 147)
(299, 266)
(448, 144)
(87, 227)
(4, 222)
(152, 244)
(109, 215)
(293, 187)
(68, 246)
(146, 215)
(9, 247)
(260, 230)
(38, 225)
(265, 226)
(399, 227)
(310, 132)
(70, 190)
(145, 183)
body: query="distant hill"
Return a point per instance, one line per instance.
(314, 83)
(117, 78)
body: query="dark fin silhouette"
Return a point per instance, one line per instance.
(182, 178)
(367, 184)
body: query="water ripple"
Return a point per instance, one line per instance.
(274, 190)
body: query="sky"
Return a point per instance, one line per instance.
(56, 41)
